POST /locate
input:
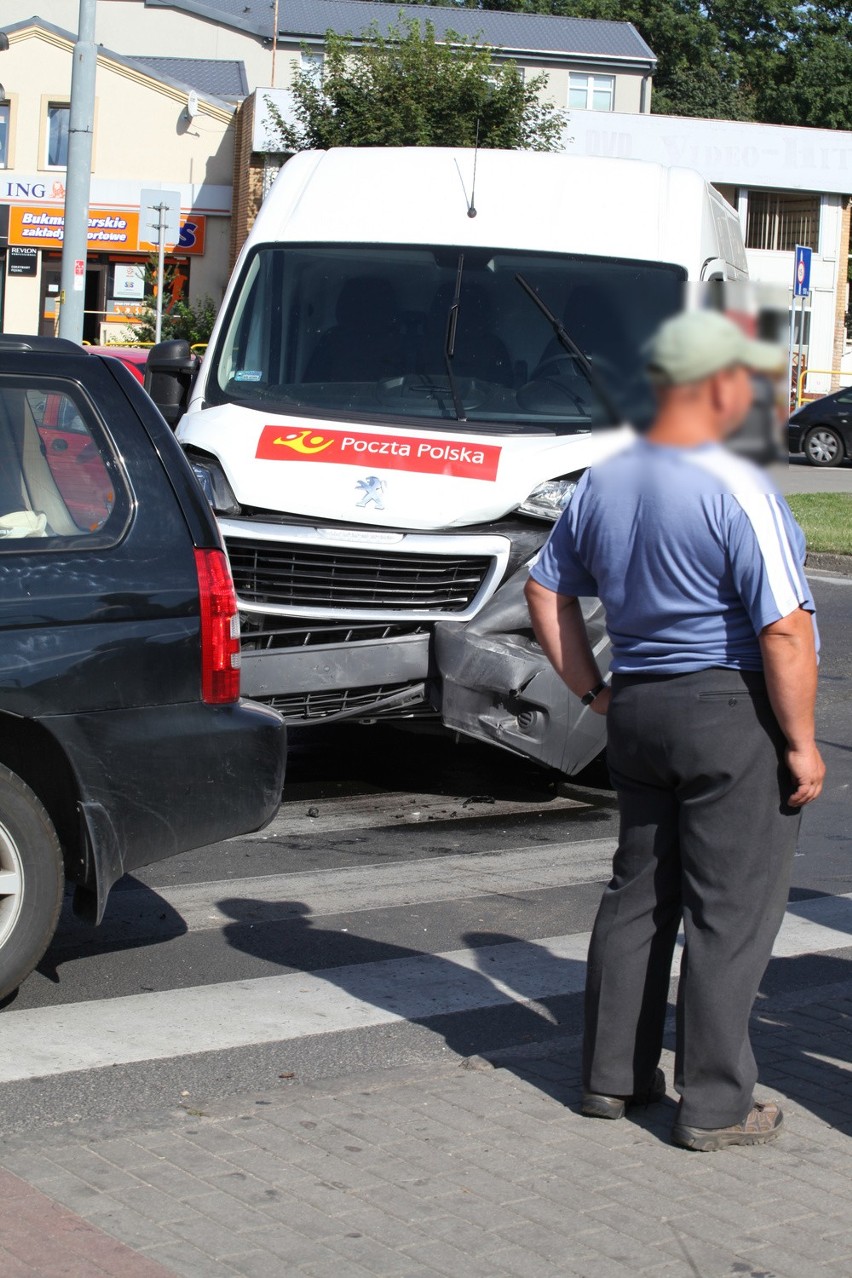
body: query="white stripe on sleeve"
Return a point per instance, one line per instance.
(764, 515)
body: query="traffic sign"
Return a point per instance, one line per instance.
(160, 214)
(802, 272)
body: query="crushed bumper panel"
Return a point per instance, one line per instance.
(498, 686)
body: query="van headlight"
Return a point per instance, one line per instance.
(214, 485)
(549, 499)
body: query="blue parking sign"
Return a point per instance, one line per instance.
(802, 272)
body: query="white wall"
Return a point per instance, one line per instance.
(749, 156)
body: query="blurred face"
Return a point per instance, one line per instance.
(736, 392)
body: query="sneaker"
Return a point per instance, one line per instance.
(761, 1125)
(596, 1106)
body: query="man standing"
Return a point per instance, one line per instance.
(710, 726)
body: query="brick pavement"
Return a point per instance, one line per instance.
(460, 1169)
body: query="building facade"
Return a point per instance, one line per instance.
(602, 65)
(149, 135)
(790, 185)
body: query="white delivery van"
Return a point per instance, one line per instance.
(418, 353)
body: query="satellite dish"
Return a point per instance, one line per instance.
(191, 105)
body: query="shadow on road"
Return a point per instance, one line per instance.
(495, 1002)
(473, 1011)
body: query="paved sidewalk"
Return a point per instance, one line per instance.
(461, 1169)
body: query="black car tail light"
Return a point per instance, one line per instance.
(220, 629)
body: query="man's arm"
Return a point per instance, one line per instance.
(559, 627)
(790, 668)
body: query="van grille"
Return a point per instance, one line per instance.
(313, 707)
(333, 577)
(264, 632)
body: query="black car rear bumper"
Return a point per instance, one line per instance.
(157, 781)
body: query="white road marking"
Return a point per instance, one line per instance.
(353, 889)
(49, 1041)
(93, 1035)
(815, 925)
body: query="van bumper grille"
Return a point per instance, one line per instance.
(335, 578)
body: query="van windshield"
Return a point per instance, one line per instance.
(367, 332)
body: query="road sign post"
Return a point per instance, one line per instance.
(802, 289)
(162, 215)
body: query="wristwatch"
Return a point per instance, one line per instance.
(588, 697)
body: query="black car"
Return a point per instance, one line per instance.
(123, 739)
(822, 429)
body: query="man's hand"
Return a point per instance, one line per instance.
(600, 705)
(807, 771)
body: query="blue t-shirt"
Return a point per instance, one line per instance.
(691, 551)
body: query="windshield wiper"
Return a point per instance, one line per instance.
(450, 343)
(567, 342)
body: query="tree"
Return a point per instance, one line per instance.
(180, 318)
(697, 74)
(811, 83)
(404, 88)
(777, 61)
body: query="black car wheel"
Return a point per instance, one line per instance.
(823, 447)
(32, 881)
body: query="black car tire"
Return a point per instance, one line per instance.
(823, 446)
(32, 881)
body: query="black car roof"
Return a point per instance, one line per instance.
(46, 345)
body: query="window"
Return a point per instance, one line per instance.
(58, 478)
(591, 92)
(312, 63)
(782, 219)
(58, 119)
(4, 134)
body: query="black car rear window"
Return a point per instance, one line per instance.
(60, 478)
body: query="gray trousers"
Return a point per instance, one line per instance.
(706, 837)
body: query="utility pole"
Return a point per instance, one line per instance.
(81, 119)
(274, 38)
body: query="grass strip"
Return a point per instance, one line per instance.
(826, 521)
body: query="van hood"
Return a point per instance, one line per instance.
(420, 478)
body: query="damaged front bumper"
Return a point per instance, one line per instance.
(498, 686)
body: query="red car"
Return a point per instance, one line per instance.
(132, 357)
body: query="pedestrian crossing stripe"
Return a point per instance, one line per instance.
(57, 1040)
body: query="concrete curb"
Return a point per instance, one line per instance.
(831, 563)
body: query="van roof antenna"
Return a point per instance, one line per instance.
(471, 208)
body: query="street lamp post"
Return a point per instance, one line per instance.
(77, 182)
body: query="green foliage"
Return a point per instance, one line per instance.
(812, 84)
(404, 88)
(696, 74)
(826, 521)
(191, 320)
(777, 61)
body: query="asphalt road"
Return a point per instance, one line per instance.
(415, 896)
(800, 477)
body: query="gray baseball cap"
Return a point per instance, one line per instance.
(696, 344)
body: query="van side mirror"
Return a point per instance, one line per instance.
(169, 373)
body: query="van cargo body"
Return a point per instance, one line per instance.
(418, 354)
